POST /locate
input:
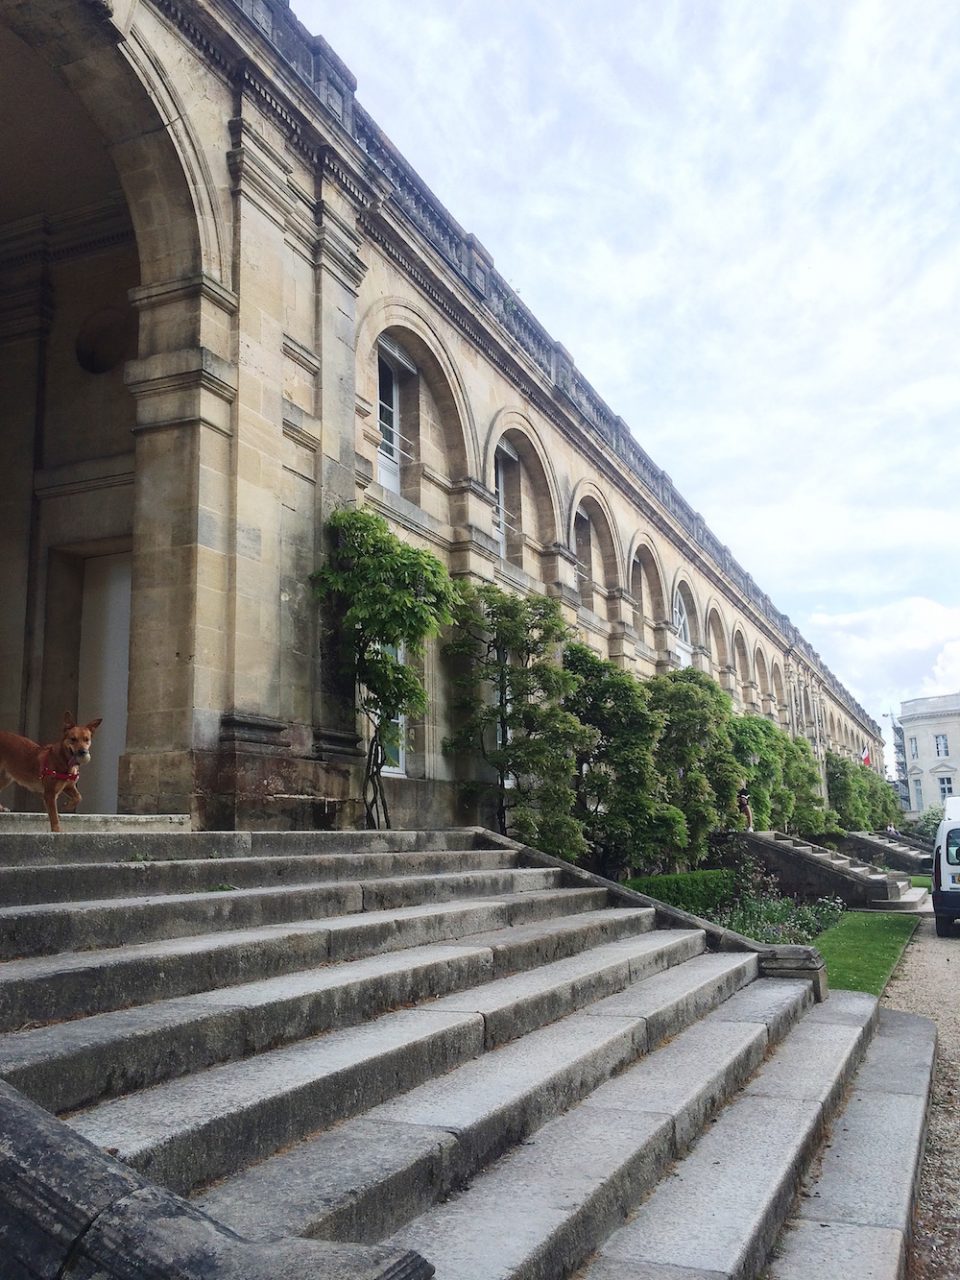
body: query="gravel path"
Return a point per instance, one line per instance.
(927, 981)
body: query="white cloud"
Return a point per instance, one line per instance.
(741, 221)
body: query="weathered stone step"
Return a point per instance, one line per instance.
(544, 1208)
(46, 928)
(364, 1179)
(82, 1062)
(93, 824)
(201, 1128)
(164, 846)
(909, 900)
(22, 886)
(721, 1209)
(853, 1217)
(46, 989)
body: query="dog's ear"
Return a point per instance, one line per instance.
(68, 720)
(94, 725)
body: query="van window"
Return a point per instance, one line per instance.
(953, 847)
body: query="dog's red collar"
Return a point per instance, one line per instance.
(45, 772)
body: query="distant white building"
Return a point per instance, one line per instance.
(931, 746)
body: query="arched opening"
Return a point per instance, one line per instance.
(767, 698)
(684, 624)
(719, 653)
(596, 555)
(524, 518)
(97, 233)
(418, 433)
(780, 697)
(746, 688)
(649, 607)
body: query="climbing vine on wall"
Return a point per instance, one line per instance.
(388, 598)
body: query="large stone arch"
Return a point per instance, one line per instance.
(715, 640)
(780, 695)
(605, 568)
(412, 327)
(645, 583)
(123, 260)
(682, 592)
(533, 500)
(746, 684)
(143, 124)
(767, 700)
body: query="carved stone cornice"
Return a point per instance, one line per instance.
(190, 288)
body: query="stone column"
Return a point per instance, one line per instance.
(26, 311)
(179, 622)
(339, 273)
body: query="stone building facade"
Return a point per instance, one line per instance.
(230, 306)
(930, 729)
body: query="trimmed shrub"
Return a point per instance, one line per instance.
(702, 893)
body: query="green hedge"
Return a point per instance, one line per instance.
(702, 893)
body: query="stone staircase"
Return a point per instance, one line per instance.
(354, 1052)
(809, 869)
(895, 851)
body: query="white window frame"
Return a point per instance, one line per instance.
(945, 783)
(918, 795)
(681, 622)
(914, 749)
(391, 451)
(504, 521)
(399, 769)
(941, 745)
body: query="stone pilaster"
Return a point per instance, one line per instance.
(26, 312)
(339, 271)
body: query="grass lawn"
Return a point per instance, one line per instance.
(921, 882)
(861, 951)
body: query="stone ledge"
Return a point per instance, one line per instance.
(68, 1211)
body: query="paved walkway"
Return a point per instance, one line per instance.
(927, 981)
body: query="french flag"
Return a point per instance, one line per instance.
(865, 756)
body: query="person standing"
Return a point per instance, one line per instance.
(743, 804)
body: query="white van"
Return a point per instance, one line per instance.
(946, 868)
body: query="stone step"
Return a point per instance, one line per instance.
(163, 845)
(45, 928)
(202, 1127)
(544, 1207)
(723, 1206)
(909, 900)
(64, 1067)
(87, 824)
(44, 989)
(366, 1178)
(853, 1217)
(70, 882)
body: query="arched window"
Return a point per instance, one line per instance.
(583, 541)
(506, 513)
(396, 374)
(681, 622)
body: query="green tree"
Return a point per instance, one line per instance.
(926, 825)
(781, 775)
(695, 760)
(619, 792)
(862, 799)
(388, 598)
(802, 807)
(511, 688)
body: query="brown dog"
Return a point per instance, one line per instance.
(48, 770)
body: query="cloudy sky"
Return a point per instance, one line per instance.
(741, 218)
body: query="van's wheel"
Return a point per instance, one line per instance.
(943, 924)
